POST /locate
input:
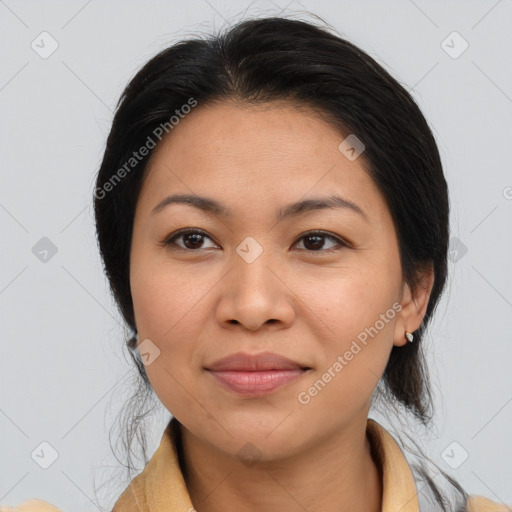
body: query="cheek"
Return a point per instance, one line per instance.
(168, 307)
(166, 302)
(356, 317)
(344, 305)
(168, 317)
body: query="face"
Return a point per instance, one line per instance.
(321, 287)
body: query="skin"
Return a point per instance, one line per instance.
(204, 302)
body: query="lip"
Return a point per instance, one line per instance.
(255, 375)
(255, 362)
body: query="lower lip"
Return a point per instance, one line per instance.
(256, 383)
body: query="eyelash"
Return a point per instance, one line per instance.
(170, 243)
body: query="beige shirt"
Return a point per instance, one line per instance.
(161, 487)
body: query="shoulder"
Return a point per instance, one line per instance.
(477, 503)
(33, 505)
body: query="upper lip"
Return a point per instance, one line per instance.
(255, 362)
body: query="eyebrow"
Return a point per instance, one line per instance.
(212, 206)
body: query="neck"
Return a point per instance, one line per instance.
(337, 475)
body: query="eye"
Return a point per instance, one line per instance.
(193, 237)
(193, 240)
(315, 240)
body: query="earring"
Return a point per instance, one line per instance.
(409, 336)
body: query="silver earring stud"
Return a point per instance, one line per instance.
(409, 336)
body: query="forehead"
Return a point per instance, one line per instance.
(233, 129)
(275, 153)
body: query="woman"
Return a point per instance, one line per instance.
(273, 218)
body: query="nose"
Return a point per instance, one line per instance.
(254, 294)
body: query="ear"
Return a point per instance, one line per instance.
(414, 305)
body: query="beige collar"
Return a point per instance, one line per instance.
(161, 485)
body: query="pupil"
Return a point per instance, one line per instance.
(318, 239)
(192, 235)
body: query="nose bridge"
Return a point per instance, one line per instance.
(254, 294)
(252, 263)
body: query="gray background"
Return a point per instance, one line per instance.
(63, 373)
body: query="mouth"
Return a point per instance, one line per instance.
(256, 375)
